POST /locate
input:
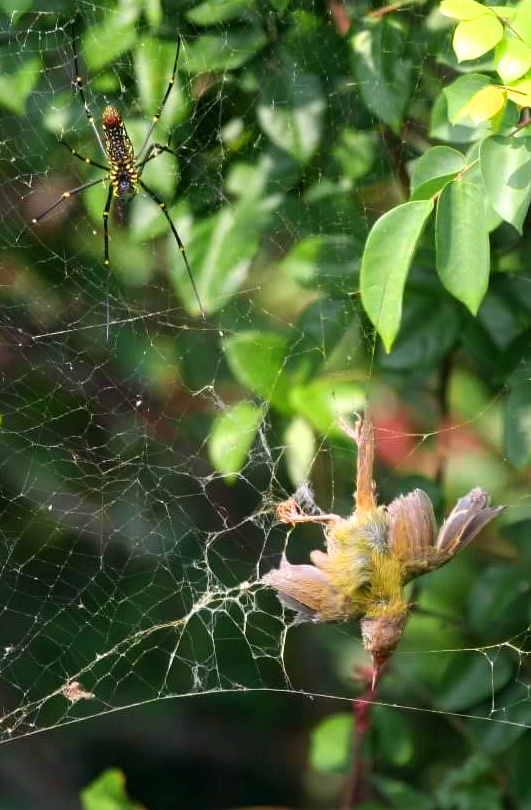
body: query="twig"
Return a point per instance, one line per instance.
(361, 715)
(444, 411)
(381, 12)
(339, 16)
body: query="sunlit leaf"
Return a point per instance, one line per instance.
(473, 38)
(211, 12)
(462, 9)
(104, 43)
(154, 61)
(225, 51)
(291, 111)
(512, 59)
(153, 11)
(383, 71)
(439, 161)
(299, 440)
(257, 360)
(331, 743)
(15, 87)
(220, 249)
(387, 258)
(232, 436)
(459, 93)
(322, 401)
(506, 170)
(520, 93)
(107, 792)
(463, 251)
(486, 104)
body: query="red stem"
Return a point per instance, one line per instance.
(357, 790)
(339, 16)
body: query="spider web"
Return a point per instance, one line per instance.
(131, 566)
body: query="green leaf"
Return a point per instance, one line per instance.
(506, 171)
(475, 176)
(430, 327)
(519, 772)
(220, 250)
(512, 59)
(331, 743)
(387, 258)
(513, 54)
(153, 60)
(394, 735)
(226, 51)
(473, 38)
(442, 129)
(472, 677)
(462, 9)
(318, 331)
(146, 220)
(517, 419)
(355, 152)
(433, 187)
(16, 9)
(107, 792)
(462, 240)
(280, 5)
(325, 262)
(211, 12)
(257, 360)
(291, 111)
(459, 93)
(16, 87)
(494, 738)
(401, 796)
(499, 601)
(383, 71)
(437, 162)
(153, 11)
(299, 440)
(323, 401)
(232, 436)
(469, 786)
(104, 43)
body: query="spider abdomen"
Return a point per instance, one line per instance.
(123, 174)
(124, 179)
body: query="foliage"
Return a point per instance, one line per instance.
(107, 792)
(353, 194)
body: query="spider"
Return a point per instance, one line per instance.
(124, 173)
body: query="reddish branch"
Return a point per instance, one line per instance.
(381, 12)
(339, 16)
(357, 790)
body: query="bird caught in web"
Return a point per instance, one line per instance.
(372, 554)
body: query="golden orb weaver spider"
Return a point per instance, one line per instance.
(124, 172)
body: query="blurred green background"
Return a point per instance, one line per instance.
(139, 471)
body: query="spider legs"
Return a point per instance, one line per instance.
(164, 100)
(87, 160)
(162, 205)
(64, 196)
(154, 150)
(78, 81)
(106, 210)
(106, 261)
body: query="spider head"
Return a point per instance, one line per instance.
(111, 118)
